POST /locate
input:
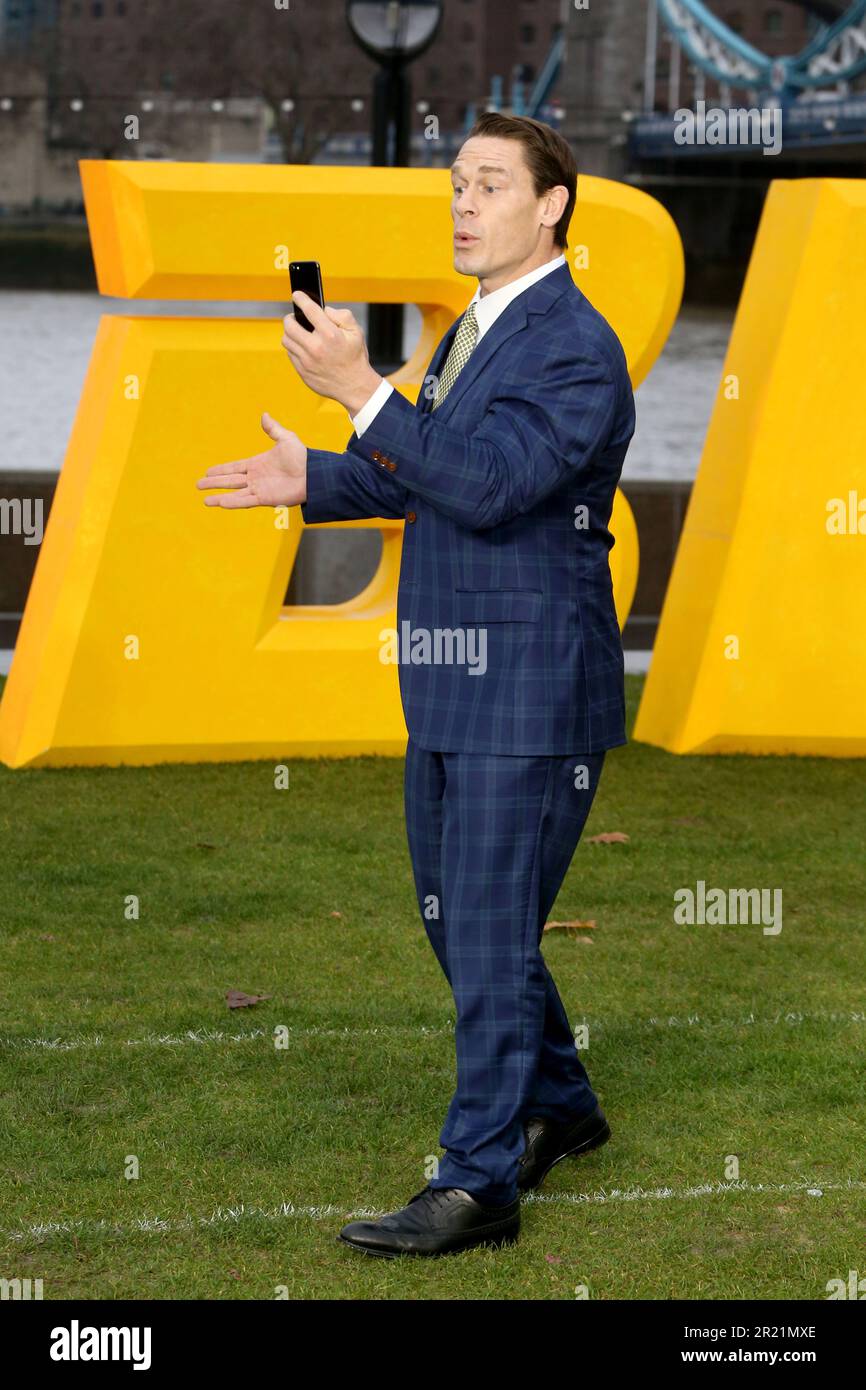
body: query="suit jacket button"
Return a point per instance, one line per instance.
(376, 455)
(411, 516)
(389, 465)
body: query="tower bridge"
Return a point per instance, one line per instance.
(811, 89)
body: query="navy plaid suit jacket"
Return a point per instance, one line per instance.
(507, 489)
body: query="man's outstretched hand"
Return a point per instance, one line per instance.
(276, 478)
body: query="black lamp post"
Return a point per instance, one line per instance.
(394, 32)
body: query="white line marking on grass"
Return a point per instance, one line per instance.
(224, 1215)
(709, 1189)
(208, 1035)
(217, 1035)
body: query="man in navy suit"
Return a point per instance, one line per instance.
(505, 472)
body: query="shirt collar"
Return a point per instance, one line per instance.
(489, 306)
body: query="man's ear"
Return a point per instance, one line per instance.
(559, 205)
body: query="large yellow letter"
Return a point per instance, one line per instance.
(762, 642)
(155, 628)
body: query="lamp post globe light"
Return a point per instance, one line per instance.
(394, 33)
(394, 28)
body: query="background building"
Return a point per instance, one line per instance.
(220, 82)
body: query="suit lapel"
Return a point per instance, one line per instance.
(536, 300)
(504, 327)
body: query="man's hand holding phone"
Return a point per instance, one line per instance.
(276, 478)
(332, 360)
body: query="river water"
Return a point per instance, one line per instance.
(47, 336)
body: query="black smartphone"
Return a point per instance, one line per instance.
(306, 276)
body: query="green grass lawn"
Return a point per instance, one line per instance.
(705, 1041)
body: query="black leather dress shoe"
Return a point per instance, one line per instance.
(436, 1221)
(548, 1143)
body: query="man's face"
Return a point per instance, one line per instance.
(497, 216)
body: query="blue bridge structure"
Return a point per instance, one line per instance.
(811, 88)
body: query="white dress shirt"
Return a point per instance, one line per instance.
(488, 307)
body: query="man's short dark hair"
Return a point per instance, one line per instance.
(548, 157)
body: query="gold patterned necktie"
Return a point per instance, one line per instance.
(461, 349)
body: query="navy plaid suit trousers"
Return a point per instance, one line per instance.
(491, 838)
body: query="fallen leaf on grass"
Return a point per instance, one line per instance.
(609, 837)
(569, 926)
(236, 999)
